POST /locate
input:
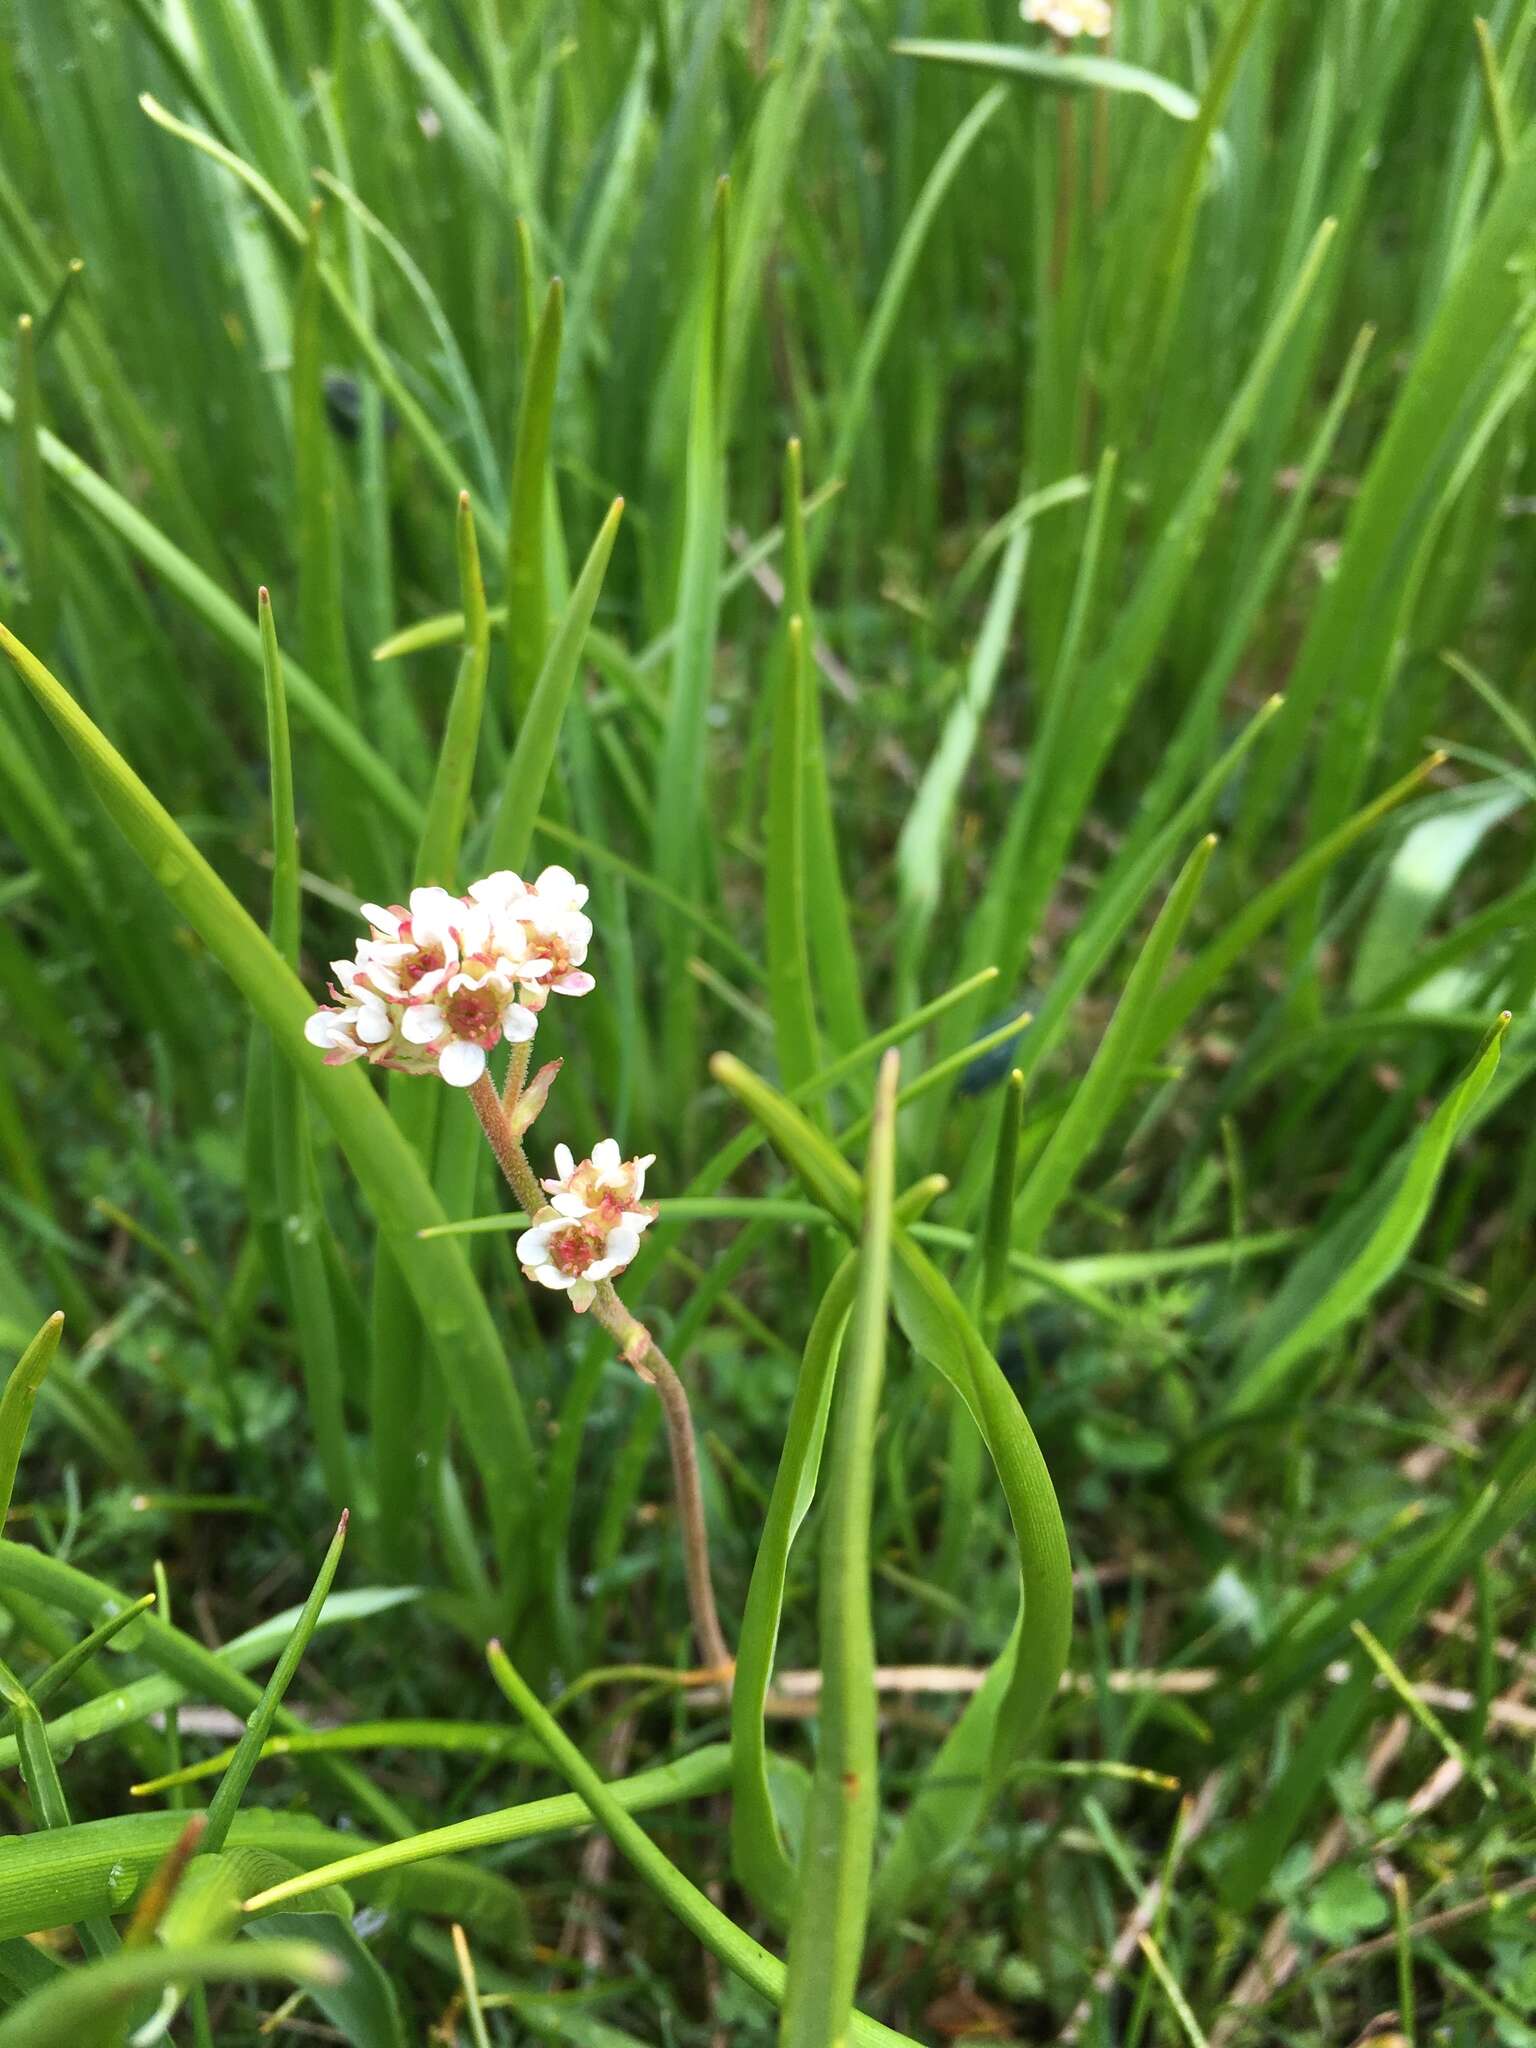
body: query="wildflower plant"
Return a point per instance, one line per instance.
(439, 982)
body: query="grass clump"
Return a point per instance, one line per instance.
(967, 588)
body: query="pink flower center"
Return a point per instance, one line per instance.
(426, 959)
(576, 1248)
(551, 947)
(474, 1013)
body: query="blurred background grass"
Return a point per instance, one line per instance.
(1105, 437)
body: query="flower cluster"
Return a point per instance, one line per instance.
(590, 1228)
(435, 986)
(1069, 18)
(442, 980)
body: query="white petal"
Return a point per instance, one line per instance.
(518, 1024)
(497, 890)
(373, 1024)
(576, 983)
(320, 1029)
(605, 1155)
(601, 1268)
(473, 922)
(434, 915)
(565, 1165)
(460, 1063)
(551, 1276)
(639, 1219)
(533, 1246)
(569, 1205)
(623, 1243)
(422, 1023)
(381, 919)
(555, 881)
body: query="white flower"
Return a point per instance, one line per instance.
(554, 931)
(441, 980)
(605, 1181)
(591, 1227)
(1069, 18)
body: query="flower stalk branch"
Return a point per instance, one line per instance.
(637, 1347)
(434, 988)
(496, 1122)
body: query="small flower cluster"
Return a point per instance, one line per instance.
(442, 980)
(590, 1228)
(1069, 18)
(435, 986)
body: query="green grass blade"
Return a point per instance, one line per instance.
(1345, 1269)
(17, 1402)
(949, 1801)
(997, 1231)
(434, 449)
(52, 1878)
(533, 756)
(34, 525)
(226, 1800)
(183, 1668)
(1056, 68)
(834, 956)
(437, 856)
(925, 839)
(758, 1855)
(747, 1958)
(788, 881)
(50, 1810)
(223, 617)
(1128, 1042)
(285, 1201)
(455, 371)
(528, 496)
(855, 407)
(1083, 725)
(1188, 990)
(698, 1775)
(469, 1738)
(62, 1669)
(1475, 319)
(67, 2011)
(1169, 250)
(679, 820)
(473, 138)
(826, 1933)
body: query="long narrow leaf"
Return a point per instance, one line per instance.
(826, 1932)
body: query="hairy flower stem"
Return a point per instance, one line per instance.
(639, 1349)
(506, 1145)
(517, 1074)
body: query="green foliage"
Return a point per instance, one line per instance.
(1035, 459)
